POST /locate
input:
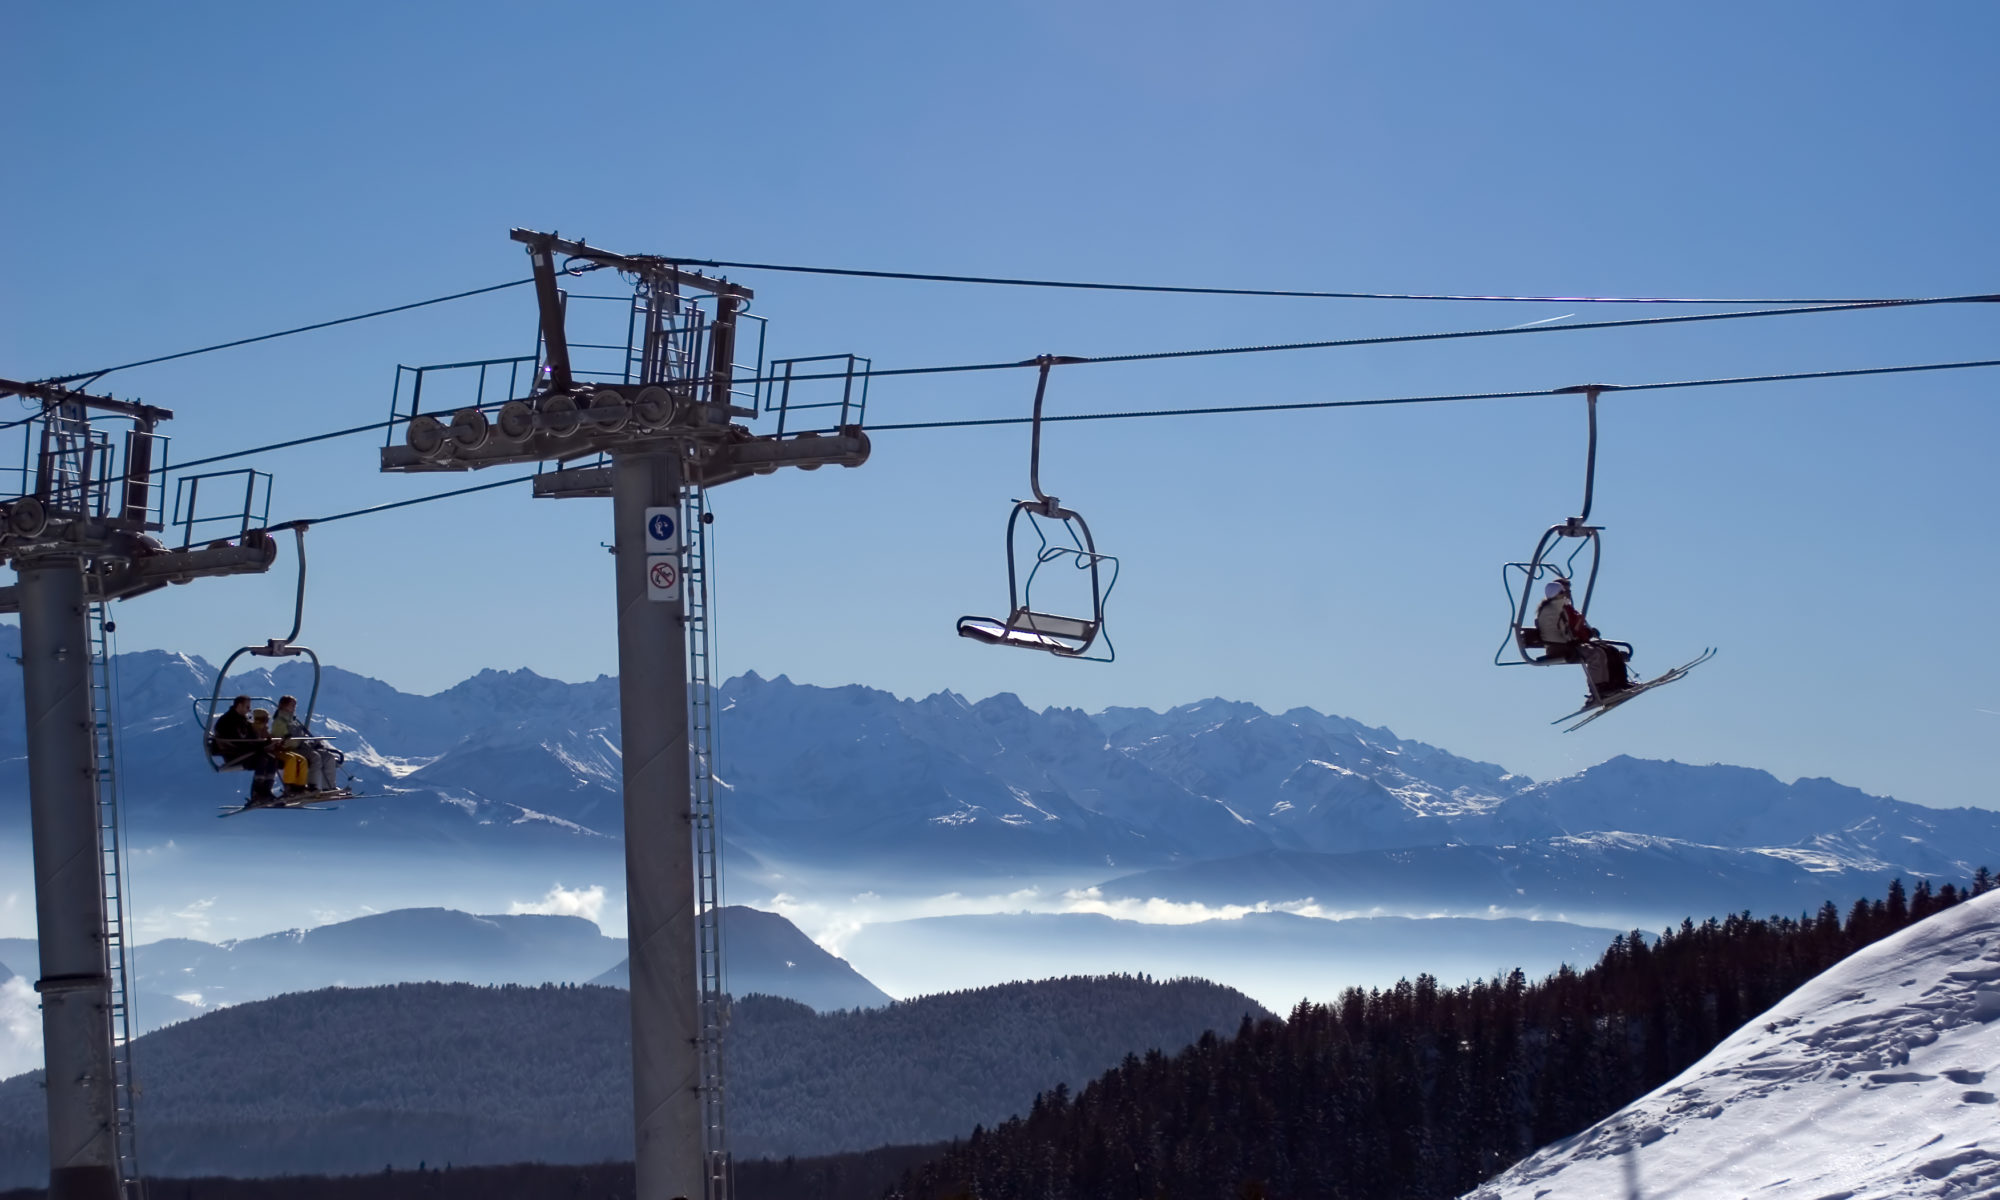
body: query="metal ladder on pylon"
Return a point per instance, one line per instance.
(117, 912)
(697, 600)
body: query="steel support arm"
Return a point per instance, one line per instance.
(725, 464)
(638, 264)
(153, 572)
(51, 394)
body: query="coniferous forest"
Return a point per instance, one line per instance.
(340, 1081)
(1417, 1091)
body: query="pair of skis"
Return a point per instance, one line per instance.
(1598, 708)
(301, 802)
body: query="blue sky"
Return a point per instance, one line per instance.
(208, 171)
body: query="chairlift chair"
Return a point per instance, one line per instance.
(288, 646)
(1550, 563)
(1025, 626)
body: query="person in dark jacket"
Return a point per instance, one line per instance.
(235, 741)
(232, 738)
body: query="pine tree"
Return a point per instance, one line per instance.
(1922, 903)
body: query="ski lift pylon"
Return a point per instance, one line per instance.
(1025, 626)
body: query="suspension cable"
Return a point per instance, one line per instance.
(285, 445)
(1797, 307)
(1078, 285)
(1295, 406)
(1394, 339)
(1306, 405)
(377, 508)
(89, 377)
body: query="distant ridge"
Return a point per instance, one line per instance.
(463, 1074)
(764, 954)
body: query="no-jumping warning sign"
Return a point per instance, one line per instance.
(663, 554)
(663, 577)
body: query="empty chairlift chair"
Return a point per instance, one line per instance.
(1026, 626)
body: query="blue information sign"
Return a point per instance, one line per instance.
(663, 530)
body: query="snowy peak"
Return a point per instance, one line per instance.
(1737, 806)
(946, 786)
(1878, 1078)
(1332, 809)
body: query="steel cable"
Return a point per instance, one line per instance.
(1304, 405)
(87, 377)
(1285, 293)
(1388, 339)
(1294, 406)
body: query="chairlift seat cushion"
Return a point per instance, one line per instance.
(1013, 632)
(1068, 628)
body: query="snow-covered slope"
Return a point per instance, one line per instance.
(1877, 1079)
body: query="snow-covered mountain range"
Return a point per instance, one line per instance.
(1874, 1080)
(1216, 802)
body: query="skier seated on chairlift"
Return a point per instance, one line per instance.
(1567, 637)
(1562, 628)
(237, 741)
(293, 737)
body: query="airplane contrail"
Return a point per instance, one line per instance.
(1543, 321)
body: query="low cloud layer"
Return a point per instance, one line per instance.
(20, 1028)
(834, 921)
(1156, 911)
(560, 901)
